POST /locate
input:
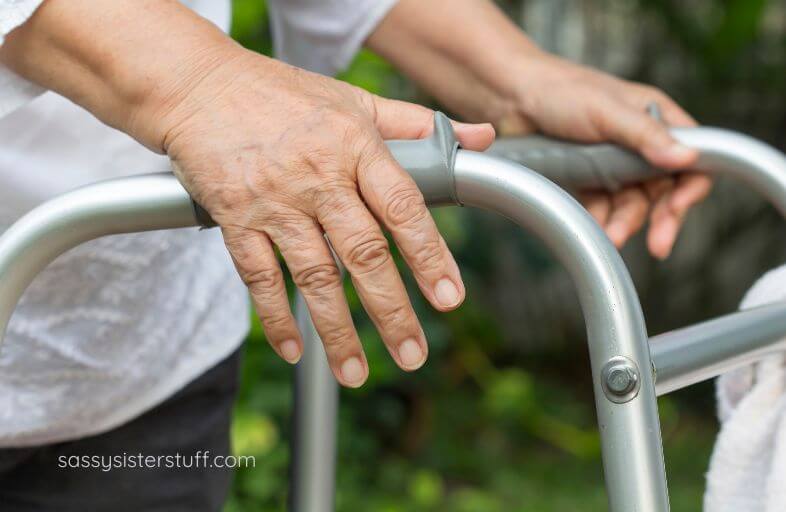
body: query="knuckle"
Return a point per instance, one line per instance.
(226, 198)
(405, 206)
(351, 128)
(321, 160)
(649, 131)
(334, 197)
(368, 254)
(428, 256)
(598, 115)
(263, 282)
(288, 228)
(242, 248)
(369, 102)
(369, 153)
(275, 321)
(395, 316)
(319, 278)
(353, 134)
(337, 337)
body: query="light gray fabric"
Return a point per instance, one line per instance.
(116, 326)
(323, 35)
(748, 465)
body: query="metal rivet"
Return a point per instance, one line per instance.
(620, 379)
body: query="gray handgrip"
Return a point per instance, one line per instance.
(572, 165)
(429, 161)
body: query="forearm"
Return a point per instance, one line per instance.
(461, 54)
(126, 61)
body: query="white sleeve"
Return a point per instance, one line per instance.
(323, 35)
(14, 90)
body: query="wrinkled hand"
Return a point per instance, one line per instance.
(563, 99)
(494, 73)
(280, 157)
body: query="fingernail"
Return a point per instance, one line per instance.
(616, 232)
(290, 351)
(471, 125)
(661, 252)
(447, 293)
(411, 355)
(352, 372)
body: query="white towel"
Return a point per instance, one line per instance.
(748, 466)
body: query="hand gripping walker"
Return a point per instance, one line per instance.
(627, 368)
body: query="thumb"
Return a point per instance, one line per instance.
(402, 120)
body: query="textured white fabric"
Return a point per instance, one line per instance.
(116, 326)
(748, 466)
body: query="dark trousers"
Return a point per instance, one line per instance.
(195, 420)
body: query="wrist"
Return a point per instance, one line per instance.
(161, 101)
(126, 70)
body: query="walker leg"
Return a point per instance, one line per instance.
(313, 446)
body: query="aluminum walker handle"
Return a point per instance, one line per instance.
(446, 174)
(629, 425)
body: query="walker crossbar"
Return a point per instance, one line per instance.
(620, 355)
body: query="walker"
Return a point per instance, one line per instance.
(629, 370)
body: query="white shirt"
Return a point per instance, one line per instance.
(116, 326)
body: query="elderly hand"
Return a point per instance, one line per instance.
(563, 99)
(280, 158)
(492, 72)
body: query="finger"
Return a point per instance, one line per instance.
(598, 204)
(514, 123)
(363, 249)
(259, 269)
(644, 95)
(629, 212)
(401, 120)
(395, 199)
(692, 188)
(673, 114)
(670, 211)
(635, 129)
(657, 188)
(663, 225)
(318, 278)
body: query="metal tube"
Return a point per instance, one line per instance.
(728, 153)
(125, 205)
(706, 350)
(703, 351)
(314, 423)
(630, 431)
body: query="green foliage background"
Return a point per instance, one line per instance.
(489, 424)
